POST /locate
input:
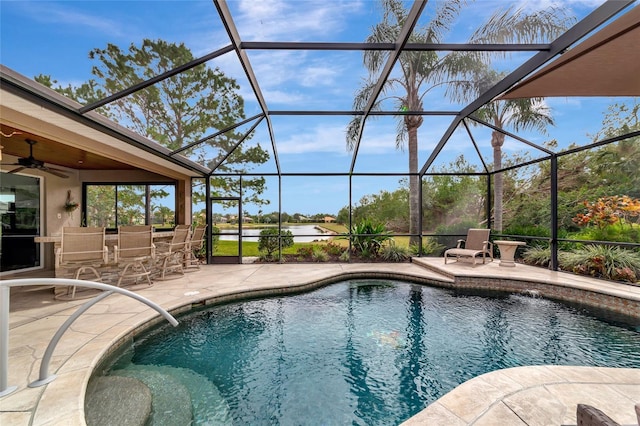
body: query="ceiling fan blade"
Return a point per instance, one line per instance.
(56, 169)
(31, 163)
(55, 172)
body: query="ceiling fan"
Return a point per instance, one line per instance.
(31, 163)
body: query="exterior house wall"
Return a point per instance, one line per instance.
(55, 194)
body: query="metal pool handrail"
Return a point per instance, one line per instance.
(44, 376)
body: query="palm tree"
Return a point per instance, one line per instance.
(422, 71)
(517, 114)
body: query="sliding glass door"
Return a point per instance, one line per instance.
(20, 212)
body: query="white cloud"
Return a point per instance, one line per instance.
(274, 97)
(56, 13)
(547, 4)
(292, 21)
(319, 76)
(317, 139)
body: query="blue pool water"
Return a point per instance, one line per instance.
(363, 352)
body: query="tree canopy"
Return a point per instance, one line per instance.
(177, 111)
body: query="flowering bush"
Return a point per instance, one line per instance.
(608, 211)
(625, 274)
(608, 262)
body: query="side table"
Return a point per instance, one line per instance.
(508, 251)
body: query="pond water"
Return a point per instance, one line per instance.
(301, 233)
(364, 352)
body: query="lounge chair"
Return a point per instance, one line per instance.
(82, 249)
(196, 242)
(135, 246)
(476, 244)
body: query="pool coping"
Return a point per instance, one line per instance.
(96, 335)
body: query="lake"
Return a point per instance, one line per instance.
(301, 234)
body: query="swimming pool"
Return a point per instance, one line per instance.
(362, 351)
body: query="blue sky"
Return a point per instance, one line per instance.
(54, 38)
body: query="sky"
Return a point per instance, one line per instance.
(55, 37)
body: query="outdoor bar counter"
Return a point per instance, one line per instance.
(108, 271)
(111, 239)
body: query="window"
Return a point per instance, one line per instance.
(112, 205)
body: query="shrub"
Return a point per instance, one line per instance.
(605, 219)
(530, 231)
(367, 237)
(539, 256)
(318, 254)
(264, 257)
(333, 249)
(345, 256)
(215, 238)
(303, 253)
(430, 246)
(268, 240)
(615, 233)
(609, 262)
(394, 253)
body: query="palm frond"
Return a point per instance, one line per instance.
(515, 25)
(529, 114)
(353, 129)
(441, 23)
(401, 134)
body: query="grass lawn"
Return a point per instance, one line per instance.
(250, 248)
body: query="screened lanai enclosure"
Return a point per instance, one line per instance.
(425, 117)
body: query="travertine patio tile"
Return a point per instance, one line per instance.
(499, 414)
(582, 374)
(532, 376)
(86, 356)
(15, 418)
(622, 375)
(471, 398)
(69, 343)
(37, 333)
(95, 324)
(26, 358)
(501, 381)
(616, 401)
(23, 399)
(68, 387)
(435, 414)
(536, 406)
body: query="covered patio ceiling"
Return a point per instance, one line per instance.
(611, 42)
(605, 64)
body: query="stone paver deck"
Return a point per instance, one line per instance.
(519, 396)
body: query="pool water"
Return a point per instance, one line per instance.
(364, 352)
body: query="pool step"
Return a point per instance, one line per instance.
(113, 400)
(171, 400)
(179, 393)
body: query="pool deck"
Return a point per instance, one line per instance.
(535, 395)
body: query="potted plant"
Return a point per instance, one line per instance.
(69, 204)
